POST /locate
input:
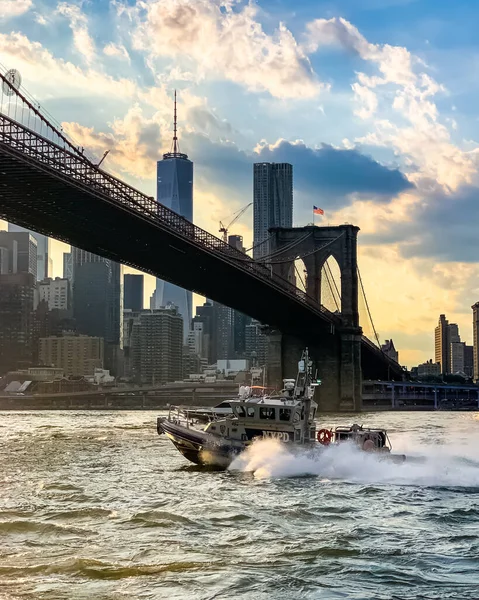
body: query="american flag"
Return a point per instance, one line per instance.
(318, 211)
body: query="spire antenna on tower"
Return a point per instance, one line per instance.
(175, 136)
(175, 146)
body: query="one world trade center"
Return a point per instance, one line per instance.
(175, 191)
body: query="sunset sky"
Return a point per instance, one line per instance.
(374, 102)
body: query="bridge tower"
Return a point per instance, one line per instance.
(337, 351)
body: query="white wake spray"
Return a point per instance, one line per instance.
(425, 466)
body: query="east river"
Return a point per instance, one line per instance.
(95, 505)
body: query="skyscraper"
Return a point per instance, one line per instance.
(133, 292)
(16, 320)
(20, 252)
(445, 335)
(157, 346)
(475, 329)
(97, 301)
(273, 202)
(175, 191)
(44, 261)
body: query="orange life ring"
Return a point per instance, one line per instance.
(325, 436)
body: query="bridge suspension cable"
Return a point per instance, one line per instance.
(363, 293)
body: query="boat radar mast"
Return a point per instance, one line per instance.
(175, 145)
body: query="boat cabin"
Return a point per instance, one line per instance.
(280, 418)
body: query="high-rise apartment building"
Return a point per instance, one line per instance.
(97, 301)
(256, 345)
(55, 292)
(457, 357)
(157, 346)
(223, 331)
(273, 202)
(133, 292)
(469, 360)
(475, 333)
(16, 320)
(205, 318)
(445, 335)
(175, 191)
(20, 252)
(44, 261)
(77, 355)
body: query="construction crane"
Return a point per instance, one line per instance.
(236, 216)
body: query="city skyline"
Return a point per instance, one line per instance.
(377, 123)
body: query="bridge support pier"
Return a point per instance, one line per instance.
(337, 359)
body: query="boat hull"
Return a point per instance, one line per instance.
(199, 447)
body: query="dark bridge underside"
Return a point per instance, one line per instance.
(42, 199)
(36, 197)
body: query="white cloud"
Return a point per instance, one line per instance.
(425, 141)
(14, 8)
(79, 26)
(215, 40)
(117, 51)
(44, 74)
(367, 100)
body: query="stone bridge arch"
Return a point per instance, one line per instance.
(314, 245)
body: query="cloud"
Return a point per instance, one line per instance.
(424, 141)
(79, 26)
(336, 172)
(442, 226)
(134, 143)
(14, 8)
(117, 51)
(223, 41)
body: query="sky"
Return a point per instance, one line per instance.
(374, 103)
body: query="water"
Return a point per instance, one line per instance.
(96, 505)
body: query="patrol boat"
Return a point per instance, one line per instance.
(288, 417)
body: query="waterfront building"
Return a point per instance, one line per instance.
(55, 292)
(429, 369)
(445, 334)
(175, 191)
(44, 261)
(157, 346)
(475, 333)
(16, 320)
(457, 357)
(19, 252)
(469, 360)
(389, 350)
(77, 355)
(97, 301)
(133, 292)
(272, 202)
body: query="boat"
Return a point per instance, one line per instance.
(288, 417)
